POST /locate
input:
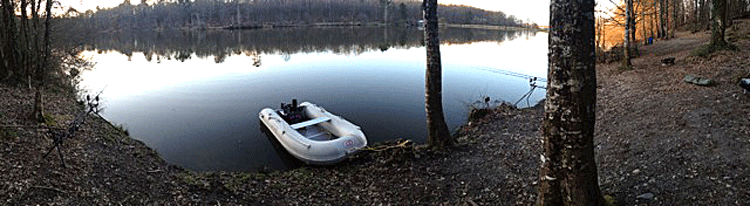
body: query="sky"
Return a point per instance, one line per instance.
(535, 10)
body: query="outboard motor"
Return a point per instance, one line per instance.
(292, 113)
(745, 84)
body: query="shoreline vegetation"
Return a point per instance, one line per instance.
(240, 14)
(366, 24)
(658, 141)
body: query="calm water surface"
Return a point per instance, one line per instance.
(195, 98)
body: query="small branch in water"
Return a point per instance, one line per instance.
(155, 171)
(381, 148)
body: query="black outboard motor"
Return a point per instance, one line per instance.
(745, 84)
(292, 113)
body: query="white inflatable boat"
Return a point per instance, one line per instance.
(312, 134)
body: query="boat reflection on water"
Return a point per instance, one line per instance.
(287, 160)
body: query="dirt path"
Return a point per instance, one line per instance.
(680, 142)
(659, 141)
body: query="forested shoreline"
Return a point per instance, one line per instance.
(205, 14)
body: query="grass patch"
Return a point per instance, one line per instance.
(302, 173)
(707, 50)
(193, 179)
(609, 200)
(8, 135)
(122, 128)
(49, 120)
(623, 68)
(241, 180)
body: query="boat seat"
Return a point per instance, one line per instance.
(310, 122)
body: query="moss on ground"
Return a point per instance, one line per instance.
(707, 50)
(7, 135)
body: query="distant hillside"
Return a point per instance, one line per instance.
(166, 14)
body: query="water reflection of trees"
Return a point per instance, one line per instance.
(183, 44)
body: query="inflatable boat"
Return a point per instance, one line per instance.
(312, 134)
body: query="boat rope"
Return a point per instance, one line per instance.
(401, 144)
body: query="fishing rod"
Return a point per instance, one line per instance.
(510, 73)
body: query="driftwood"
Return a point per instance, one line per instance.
(667, 61)
(699, 80)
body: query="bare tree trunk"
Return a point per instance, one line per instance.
(24, 31)
(667, 20)
(707, 16)
(653, 21)
(633, 27)
(718, 9)
(386, 3)
(239, 18)
(626, 64)
(697, 16)
(604, 37)
(663, 11)
(42, 71)
(643, 23)
(633, 30)
(674, 17)
(658, 12)
(438, 135)
(568, 168)
(10, 53)
(729, 16)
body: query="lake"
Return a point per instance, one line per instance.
(194, 96)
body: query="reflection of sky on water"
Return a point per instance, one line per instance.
(203, 115)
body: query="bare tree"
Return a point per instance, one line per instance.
(386, 4)
(41, 72)
(568, 169)
(674, 18)
(626, 63)
(718, 11)
(438, 135)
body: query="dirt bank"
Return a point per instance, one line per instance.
(659, 141)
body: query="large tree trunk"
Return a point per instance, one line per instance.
(674, 17)
(9, 53)
(653, 21)
(41, 72)
(438, 135)
(666, 19)
(706, 13)
(643, 23)
(24, 31)
(633, 30)
(568, 169)
(718, 10)
(697, 16)
(657, 17)
(628, 25)
(662, 19)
